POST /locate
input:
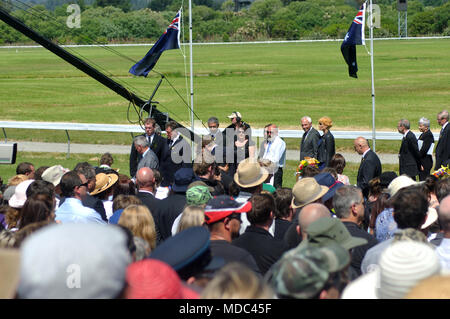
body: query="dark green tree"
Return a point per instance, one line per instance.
(125, 5)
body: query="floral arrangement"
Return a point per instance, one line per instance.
(443, 172)
(308, 161)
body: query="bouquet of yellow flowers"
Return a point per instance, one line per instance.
(308, 161)
(443, 172)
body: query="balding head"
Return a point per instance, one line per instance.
(145, 178)
(444, 214)
(310, 213)
(361, 145)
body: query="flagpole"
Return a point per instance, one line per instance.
(373, 79)
(191, 73)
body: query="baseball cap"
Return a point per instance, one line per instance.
(234, 114)
(222, 206)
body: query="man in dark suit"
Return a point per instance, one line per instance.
(256, 239)
(443, 145)
(145, 181)
(148, 157)
(157, 144)
(370, 166)
(173, 205)
(408, 156)
(310, 140)
(425, 157)
(348, 204)
(177, 154)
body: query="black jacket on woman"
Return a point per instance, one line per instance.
(326, 148)
(426, 160)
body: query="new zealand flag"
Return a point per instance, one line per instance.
(169, 40)
(354, 36)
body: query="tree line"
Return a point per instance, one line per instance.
(220, 21)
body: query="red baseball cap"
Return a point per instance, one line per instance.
(222, 206)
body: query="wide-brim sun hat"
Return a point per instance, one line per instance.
(306, 191)
(400, 182)
(249, 174)
(103, 182)
(54, 174)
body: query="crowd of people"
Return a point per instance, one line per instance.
(223, 226)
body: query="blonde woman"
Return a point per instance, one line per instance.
(326, 148)
(236, 281)
(192, 215)
(139, 220)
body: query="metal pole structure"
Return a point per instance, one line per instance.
(191, 73)
(373, 79)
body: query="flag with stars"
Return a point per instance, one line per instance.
(169, 40)
(354, 36)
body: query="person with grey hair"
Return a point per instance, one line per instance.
(408, 156)
(149, 158)
(157, 144)
(213, 126)
(426, 146)
(370, 166)
(443, 145)
(348, 203)
(310, 141)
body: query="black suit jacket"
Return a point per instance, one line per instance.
(153, 204)
(425, 160)
(408, 156)
(309, 145)
(168, 210)
(370, 167)
(174, 157)
(262, 246)
(443, 148)
(157, 146)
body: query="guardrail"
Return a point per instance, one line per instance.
(256, 132)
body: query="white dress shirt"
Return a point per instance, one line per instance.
(275, 151)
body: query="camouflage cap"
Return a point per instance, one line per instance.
(409, 234)
(302, 273)
(326, 230)
(198, 195)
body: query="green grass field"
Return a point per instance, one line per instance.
(265, 82)
(276, 83)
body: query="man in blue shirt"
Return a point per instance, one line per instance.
(74, 188)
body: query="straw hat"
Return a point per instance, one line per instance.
(250, 173)
(306, 191)
(103, 182)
